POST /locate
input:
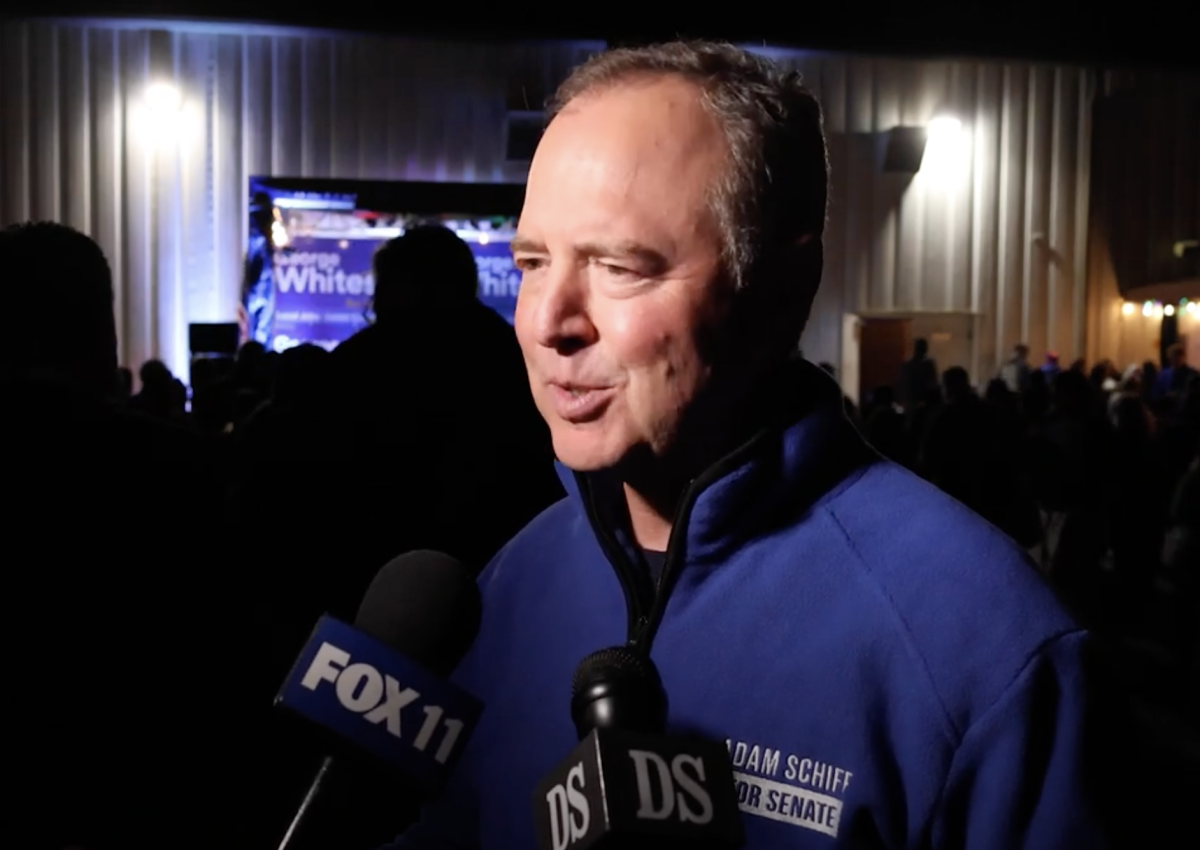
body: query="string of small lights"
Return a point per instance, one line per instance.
(1157, 309)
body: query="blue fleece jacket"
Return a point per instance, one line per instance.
(888, 669)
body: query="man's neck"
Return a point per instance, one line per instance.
(654, 487)
(651, 529)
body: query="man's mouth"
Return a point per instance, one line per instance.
(577, 403)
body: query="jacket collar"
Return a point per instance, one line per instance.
(806, 449)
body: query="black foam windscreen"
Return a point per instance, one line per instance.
(426, 606)
(618, 687)
(615, 664)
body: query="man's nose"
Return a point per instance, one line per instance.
(561, 317)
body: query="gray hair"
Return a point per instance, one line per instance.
(776, 188)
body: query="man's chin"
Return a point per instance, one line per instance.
(582, 457)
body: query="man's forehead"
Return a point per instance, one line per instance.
(650, 151)
(664, 114)
(628, 230)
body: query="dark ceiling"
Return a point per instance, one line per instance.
(1147, 32)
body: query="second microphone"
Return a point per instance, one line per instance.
(627, 784)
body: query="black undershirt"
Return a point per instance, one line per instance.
(654, 564)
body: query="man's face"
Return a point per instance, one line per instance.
(621, 263)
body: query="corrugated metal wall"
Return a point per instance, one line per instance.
(993, 225)
(171, 216)
(998, 233)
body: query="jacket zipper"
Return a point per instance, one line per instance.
(634, 585)
(646, 603)
(647, 625)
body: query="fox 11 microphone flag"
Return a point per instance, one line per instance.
(368, 694)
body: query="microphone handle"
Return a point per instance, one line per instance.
(314, 791)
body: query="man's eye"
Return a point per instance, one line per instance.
(619, 271)
(528, 264)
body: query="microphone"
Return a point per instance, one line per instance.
(627, 784)
(378, 687)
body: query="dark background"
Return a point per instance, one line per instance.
(1151, 33)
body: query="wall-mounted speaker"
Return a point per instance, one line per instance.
(905, 150)
(213, 338)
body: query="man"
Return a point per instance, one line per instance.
(850, 631)
(436, 396)
(1015, 372)
(918, 376)
(99, 615)
(436, 444)
(1174, 379)
(256, 310)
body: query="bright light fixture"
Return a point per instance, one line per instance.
(945, 162)
(944, 126)
(163, 98)
(157, 119)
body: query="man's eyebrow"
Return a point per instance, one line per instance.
(624, 250)
(522, 245)
(627, 250)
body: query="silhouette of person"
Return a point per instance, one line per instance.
(851, 408)
(1174, 378)
(291, 423)
(1181, 556)
(883, 427)
(970, 453)
(918, 376)
(114, 631)
(427, 437)
(1138, 507)
(1072, 477)
(1015, 373)
(257, 307)
(155, 398)
(439, 390)
(123, 391)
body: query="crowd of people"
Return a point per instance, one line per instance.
(1093, 470)
(168, 557)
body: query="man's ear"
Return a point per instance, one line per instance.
(807, 265)
(771, 312)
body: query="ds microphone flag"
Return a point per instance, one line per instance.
(626, 784)
(628, 790)
(366, 693)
